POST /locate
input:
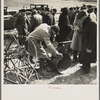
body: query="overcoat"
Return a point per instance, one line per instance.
(50, 19)
(65, 27)
(89, 40)
(76, 39)
(36, 20)
(20, 24)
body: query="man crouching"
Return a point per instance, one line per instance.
(42, 33)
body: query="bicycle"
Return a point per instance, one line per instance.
(17, 67)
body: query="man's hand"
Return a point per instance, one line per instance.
(76, 27)
(88, 51)
(54, 52)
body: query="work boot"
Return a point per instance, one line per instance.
(49, 66)
(42, 70)
(86, 68)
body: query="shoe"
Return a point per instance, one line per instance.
(85, 70)
(49, 68)
(43, 72)
(46, 74)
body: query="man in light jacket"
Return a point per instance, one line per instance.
(42, 33)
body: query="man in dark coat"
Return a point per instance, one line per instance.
(20, 26)
(65, 26)
(36, 21)
(48, 17)
(88, 47)
(54, 11)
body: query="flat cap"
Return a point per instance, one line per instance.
(55, 28)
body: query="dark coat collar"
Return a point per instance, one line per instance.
(88, 19)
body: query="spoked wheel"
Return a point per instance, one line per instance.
(15, 71)
(19, 64)
(17, 68)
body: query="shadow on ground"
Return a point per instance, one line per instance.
(73, 75)
(77, 78)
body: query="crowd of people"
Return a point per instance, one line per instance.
(40, 27)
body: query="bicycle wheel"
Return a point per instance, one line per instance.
(10, 78)
(20, 64)
(13, 77)
(16, 59)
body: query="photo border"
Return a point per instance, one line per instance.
(45, 86)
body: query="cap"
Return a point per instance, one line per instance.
(55, 28)
(65, 10)
(81, 14)
(22, 10)
(54, 10)
(90, 10)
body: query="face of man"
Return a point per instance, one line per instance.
(23, 13)
(53, 33)
(83, 18)
(53, 12)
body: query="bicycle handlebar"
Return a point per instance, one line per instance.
(65, 42)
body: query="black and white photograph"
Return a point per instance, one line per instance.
(52, 42)
(49, 42)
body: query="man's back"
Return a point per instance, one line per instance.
(41, 32)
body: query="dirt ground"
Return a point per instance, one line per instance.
(73, 75)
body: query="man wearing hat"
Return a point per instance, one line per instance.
(27, 21)
(87, 54)
(42, 33)
(20, 26)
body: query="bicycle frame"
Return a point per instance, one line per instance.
(22, 57)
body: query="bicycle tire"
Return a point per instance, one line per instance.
(8, 45)
(24, 69)
(13, 57)
(13, 77)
